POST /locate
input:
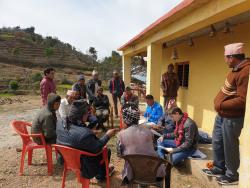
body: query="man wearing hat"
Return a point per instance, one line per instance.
(80, 88)
(92, 85)
(65, 104)
(74, 133)
(116, 88)
(129, 98)
(230, 107)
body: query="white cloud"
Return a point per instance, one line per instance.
(104, 24)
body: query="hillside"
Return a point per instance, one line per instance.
(25, 48)
(24, 54)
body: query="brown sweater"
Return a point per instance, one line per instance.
(230, 102)
(170, 84)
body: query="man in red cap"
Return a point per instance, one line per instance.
(230, 107)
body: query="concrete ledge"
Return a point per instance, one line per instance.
(195, 167)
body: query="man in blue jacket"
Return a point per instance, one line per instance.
(74, 133)
(153, 111)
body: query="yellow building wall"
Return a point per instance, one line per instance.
(207, 72)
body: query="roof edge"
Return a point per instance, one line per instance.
(179, 7)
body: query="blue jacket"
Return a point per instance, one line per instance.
(154, 112)
(82, 138)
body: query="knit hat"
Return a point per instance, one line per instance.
(130, 115)
(233, 49)
(81, 77)
(77, 110)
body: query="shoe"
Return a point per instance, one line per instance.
(225, 180)
(111, 170)
(212, 172)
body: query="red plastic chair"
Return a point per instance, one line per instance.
(121, 121)
(20, 128)
(71, 158)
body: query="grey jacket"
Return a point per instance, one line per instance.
(136, 140)
(190, 138)
(45, 122)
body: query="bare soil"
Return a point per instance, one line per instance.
(36, 174)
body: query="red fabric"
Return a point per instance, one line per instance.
(179, 130)
(47, 86)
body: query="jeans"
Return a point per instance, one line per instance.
(225, 142)
(115, 100)
(102, 171)
(175, 158)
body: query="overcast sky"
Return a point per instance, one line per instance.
(103, 24)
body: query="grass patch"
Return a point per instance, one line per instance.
(7, 94)
(62, 88)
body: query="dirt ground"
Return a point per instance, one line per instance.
(36, 174)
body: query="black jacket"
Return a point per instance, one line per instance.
(116, 87)
(82, 138)
(101, 102)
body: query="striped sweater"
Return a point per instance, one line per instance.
(231, 100)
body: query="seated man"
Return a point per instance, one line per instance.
(81, 88)
(166, 123)
(185, 138)
(74, 133)
(45, 121)
(129, 98)
(101, 104)
(65, 104)
(134, 139)
(153, 111)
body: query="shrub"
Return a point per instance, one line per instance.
(66, 81)
(13, 84)
(37, 77)
(15, 51)
(49, 51)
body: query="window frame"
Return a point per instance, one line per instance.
(183, 73)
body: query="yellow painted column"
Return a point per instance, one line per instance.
(244, 147)
(154, 63)
(126, 66)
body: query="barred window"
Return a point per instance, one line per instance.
(183, 73)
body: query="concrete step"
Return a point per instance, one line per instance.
(195, 167)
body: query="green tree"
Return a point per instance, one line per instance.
(93, 53)
(13, 84)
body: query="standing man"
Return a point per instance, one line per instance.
(116, 88)
(47, 85)
(230, 106)
(92, 85)
(170, 84)
(80, 88)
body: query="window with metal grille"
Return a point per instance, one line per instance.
(183, 73)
